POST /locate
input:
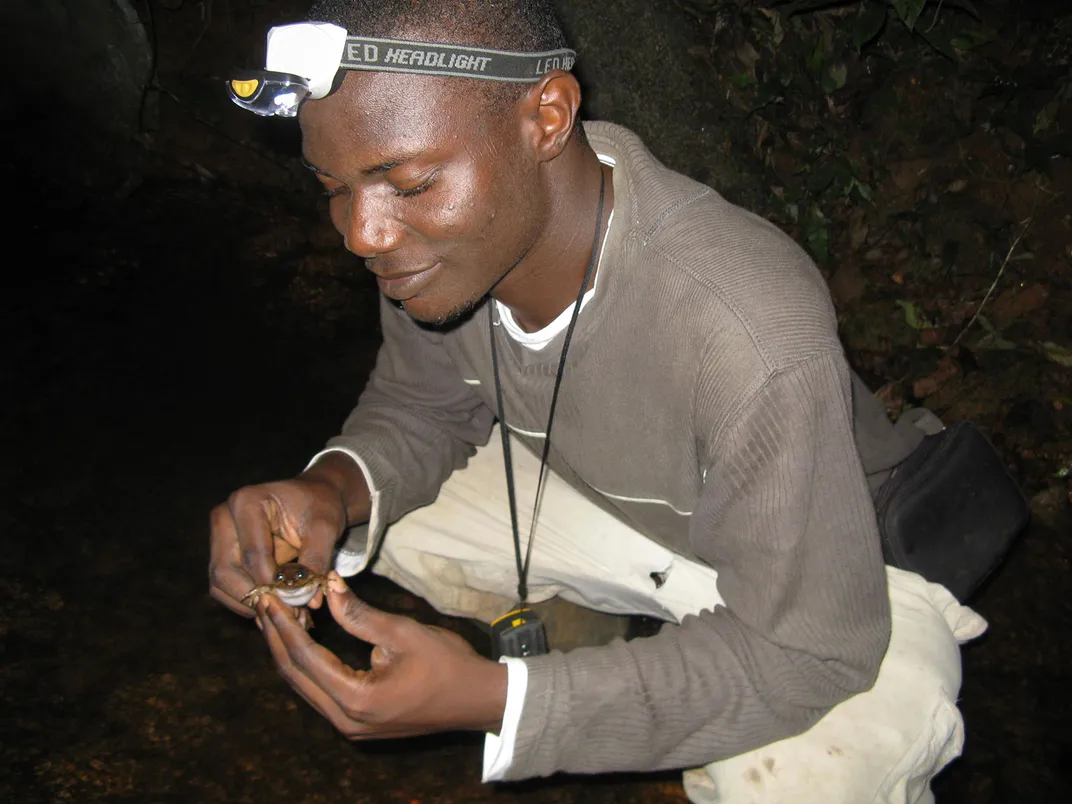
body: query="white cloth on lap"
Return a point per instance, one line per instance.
(883, 745)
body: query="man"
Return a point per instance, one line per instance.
(711, 461)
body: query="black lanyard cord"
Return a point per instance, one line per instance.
(523, 566)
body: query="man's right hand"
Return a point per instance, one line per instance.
(260, 527)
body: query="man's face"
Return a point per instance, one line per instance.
(430, 184)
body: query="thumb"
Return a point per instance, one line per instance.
(358, 618)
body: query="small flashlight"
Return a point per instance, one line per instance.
(519, 634)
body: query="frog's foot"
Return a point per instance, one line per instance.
(300, 612)
(255, 594)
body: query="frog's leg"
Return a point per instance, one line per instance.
(254, 595)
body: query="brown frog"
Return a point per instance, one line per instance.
(294, 584)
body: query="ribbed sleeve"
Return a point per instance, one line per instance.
(786, 519)
(416, 421)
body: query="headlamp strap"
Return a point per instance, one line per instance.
(431, 58)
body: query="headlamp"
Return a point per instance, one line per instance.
(306, 60)
(268, 93)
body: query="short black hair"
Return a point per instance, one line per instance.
(529, 25)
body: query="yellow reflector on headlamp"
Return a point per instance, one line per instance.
(245, 88)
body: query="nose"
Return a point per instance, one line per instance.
(369, 228)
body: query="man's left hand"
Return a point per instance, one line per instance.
(422, 679)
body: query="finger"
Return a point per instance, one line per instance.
(229, 581)
(237, 606)
(305, 619)
(299, 532)
(343, 718)
(302, 684)
(343, 683)
(318, 544)
(365, 732)
(254, 533)
(285, 528)
(291, 529)
(317, 601)
(302, 661)
(358, 618)
(283, 551)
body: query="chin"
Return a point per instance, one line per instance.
(438, 312)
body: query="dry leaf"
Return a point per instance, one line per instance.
(926, 386)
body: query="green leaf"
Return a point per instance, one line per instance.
(863, 189)
(967, 40)
(870, 20)
(909, 11)
(911, 314)
(963, 5)
(996, 340)
(816, 235)
(779, 30)
(1061, 355)
(1046, 118)
(834, 77)
(815, 59)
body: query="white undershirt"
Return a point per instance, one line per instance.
(540, 338)
(499, 748)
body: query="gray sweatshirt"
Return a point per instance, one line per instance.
(706, 373)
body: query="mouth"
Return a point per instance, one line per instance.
(404, 285)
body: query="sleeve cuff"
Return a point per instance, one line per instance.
(351, 560)
(499, 748)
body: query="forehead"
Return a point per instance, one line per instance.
(376, 117)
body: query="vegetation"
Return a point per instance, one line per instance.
(919, 150)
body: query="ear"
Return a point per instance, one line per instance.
(550, 109)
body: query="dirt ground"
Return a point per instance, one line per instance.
(184, 321)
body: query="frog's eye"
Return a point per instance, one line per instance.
(299, 574)
(280, 577)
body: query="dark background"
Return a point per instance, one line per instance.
(179, 320)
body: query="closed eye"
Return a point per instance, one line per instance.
(332, 192)
(409, 192)
(402, 192)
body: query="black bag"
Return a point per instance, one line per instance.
(951, 510)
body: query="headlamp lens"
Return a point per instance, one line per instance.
(269, 93)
